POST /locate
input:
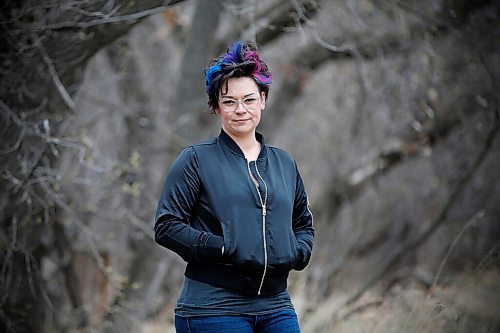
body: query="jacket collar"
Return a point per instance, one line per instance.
(231, 144)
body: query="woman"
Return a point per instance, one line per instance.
(236, 211)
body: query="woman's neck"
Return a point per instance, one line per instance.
(248, 144)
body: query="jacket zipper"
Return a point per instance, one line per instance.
(264, 213)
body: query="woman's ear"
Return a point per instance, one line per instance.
(263, 99)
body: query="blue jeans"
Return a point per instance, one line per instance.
(278, 322)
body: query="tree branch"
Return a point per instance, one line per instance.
(53, 74)
(269, 21)
(104, 20)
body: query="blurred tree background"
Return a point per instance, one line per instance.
(391, 109)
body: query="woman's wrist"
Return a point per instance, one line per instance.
(212, 246)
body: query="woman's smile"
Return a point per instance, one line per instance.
(242, 121)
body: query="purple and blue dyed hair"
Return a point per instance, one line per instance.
(240, 60)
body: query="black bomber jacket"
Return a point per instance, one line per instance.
(210, 201)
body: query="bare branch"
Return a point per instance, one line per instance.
(7, 260)
(472, 221)
(53, 73)
(488, 255)
(11, 114)
(84, 12)
(80, 224)
(266, 22)
(19, 123)
(331, 47)
(105, 20)
(16, 145)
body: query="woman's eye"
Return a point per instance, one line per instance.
(228, 103)
(250, 100)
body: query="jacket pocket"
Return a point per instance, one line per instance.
(243, 244)
(228, 235)
(295, 250)
(283, 251)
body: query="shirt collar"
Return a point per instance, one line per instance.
(231, 144)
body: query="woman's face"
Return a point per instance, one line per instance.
(240, 106)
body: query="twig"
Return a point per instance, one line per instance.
(11, 114)
(137, 223)
(423, 17)
(107, 20)
(27, 261)
(335, 48)
(28, 258)
(362, 307)
(7, 260)
(433, 286)
(487, 256)
(84, 12)
(473, 220)
(54, 75)
(29, 9)
(19, 123)
(16, 145)
(79, 223)
(263, 23)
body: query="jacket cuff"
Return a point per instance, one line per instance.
(213, 247)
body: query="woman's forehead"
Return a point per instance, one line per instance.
(239, 87)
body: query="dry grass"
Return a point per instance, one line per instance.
(469, 303)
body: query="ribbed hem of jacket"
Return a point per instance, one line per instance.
(233, 277)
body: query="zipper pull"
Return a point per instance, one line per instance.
(264, 212)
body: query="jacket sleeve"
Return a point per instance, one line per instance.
(302, 224)
(175, 208)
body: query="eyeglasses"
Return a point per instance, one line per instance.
(248, 103)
